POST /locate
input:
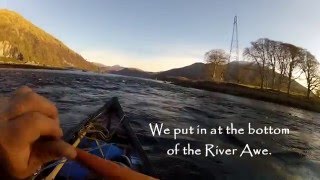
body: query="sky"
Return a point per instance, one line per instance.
(157, 35)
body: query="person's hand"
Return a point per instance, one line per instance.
(29, 134)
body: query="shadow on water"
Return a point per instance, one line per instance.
(294, 156)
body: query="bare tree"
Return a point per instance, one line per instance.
(257, 53)
(272, 48)
(293, 61)
(309, 65)
(287, 60)
(215, 58)
(282, 62)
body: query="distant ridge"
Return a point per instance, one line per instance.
(244, 72)
(106, 69)
(133, 72)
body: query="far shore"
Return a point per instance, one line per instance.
(297, 101)
(29, 66)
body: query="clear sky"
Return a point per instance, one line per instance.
(157, 35)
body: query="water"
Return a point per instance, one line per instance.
(294, 156)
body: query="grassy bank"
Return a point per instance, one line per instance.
(297, 101)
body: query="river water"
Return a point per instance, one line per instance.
(293, 156)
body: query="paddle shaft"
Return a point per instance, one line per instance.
(108, 169)
(56, 170)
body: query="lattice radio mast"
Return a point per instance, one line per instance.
(234, 48)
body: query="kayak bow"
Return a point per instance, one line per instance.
(106, 145)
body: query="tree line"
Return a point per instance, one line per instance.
(282, 62)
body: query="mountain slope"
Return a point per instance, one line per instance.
(194, 71)
(22, 42)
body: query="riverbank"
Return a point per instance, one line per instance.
(268, 95)
(28, 66)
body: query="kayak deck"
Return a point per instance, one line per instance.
(107, 134)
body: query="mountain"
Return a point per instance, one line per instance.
(115, 68)
(133, 72)
(194, 71)
(21, 42)
(106, 69)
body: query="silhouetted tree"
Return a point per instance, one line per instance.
(282, 62)
(293, 61)
(288, 60)
(215, 58)
(257, 53)
(271, 48)
(309, 65)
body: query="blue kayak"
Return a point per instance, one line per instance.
(107, 134)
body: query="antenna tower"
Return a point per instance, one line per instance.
(234, 47)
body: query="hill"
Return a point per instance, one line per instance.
(107, 69)
(194, 71)
(21, 42)
(133, 72)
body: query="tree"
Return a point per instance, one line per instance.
(293, 61)
(272, 48)
(309, 65)
(282, 62)
(215, 58)
(20, 57)
(257, 53)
